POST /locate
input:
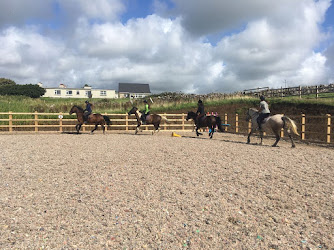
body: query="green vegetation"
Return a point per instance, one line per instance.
(30, 90)
(174, 103)
(6, 82)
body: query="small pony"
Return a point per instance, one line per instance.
(150, 119)
(206, 121)
(273, 123)
(96, 119)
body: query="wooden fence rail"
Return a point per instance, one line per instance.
(300, 91)
(311, 128)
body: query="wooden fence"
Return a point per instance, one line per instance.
(300, 91)
(311, 128)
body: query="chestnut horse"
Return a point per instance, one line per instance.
(273, 123)
(206, 121)
(153, 119)
(96, 119)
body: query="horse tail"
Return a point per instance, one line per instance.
(219, 123)
(290, 124)
(107, 119)
(163, 118)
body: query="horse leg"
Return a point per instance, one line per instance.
(137, 129)
(292, 142)
(78, 127)
(103, 129)
(212, 131)
(261, 136)
(94, 128)
(197, 133)
(156, 129)
(277, 139)
(249, 135)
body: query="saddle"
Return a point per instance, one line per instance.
(144, 121)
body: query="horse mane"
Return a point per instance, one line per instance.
(192, 113)
(254, 109)
(78, 107)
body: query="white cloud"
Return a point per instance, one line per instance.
(275, 43)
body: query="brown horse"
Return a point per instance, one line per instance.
(273, 123)
(206, 121)
(150, 119)
(96, 119)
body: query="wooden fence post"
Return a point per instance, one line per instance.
(10, 122)
(328, 128)
(281, 91)
(36, 121)
(237, 123)
(165, 127)
(225, 121)
(249, 126)
(126, 122)
(303, 127)
(60, 122)
(317, 92)
(183, 115)
(300, 92)
(106, 127)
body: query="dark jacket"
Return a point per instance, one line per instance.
(88, 108)
(200, 110)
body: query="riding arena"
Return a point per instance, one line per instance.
(119, 190)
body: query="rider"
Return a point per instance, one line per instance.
(87, 111)
(264, 111)
(146, 112)
(200, 112)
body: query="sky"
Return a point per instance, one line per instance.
(189, 46)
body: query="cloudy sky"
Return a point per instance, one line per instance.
(193, 46)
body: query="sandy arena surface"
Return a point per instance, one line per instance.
(121, 191)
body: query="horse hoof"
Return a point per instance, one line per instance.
(293, 146)
(274, 146)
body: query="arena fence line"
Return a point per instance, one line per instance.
(311, 128)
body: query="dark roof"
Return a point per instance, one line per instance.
(134, 88)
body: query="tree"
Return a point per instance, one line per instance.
(31, 90)
(5, 82)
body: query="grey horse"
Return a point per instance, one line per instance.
(273, 123)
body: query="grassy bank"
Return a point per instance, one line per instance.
(171, 104)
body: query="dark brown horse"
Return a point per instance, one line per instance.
(206, 121)
(150, 119)
(96, 119)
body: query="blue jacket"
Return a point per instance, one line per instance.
(88, 107)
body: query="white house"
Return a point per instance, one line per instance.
(86, 92)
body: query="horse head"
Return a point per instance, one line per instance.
(250, 113)
(75, 109)
(191, 115)
(132, 111)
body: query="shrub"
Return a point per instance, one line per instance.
(31, 90)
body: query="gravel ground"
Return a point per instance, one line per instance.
(121, 191)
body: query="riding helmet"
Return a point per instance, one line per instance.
(262, 98)
(200, 101)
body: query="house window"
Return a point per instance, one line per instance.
(78, 92)
(57, 92)
(68, 92)
(103, 93)
(86, 93)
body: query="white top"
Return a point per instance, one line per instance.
(264, 107)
